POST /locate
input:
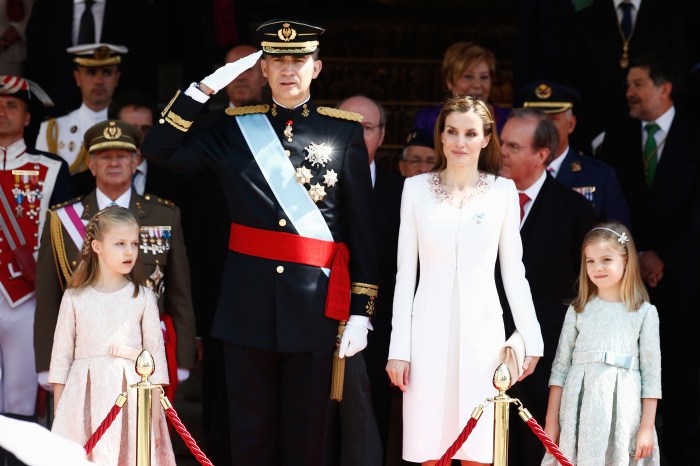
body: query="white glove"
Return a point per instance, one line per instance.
(354, 337)
(182, 374)
(230, 71)
(44, 381)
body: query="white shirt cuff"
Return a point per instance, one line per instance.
(196, 93)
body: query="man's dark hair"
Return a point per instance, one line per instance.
(130, 99)
(661, 69)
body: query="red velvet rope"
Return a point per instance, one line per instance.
(548, 442)
(97, 435)
(447, 457)
(189, 441)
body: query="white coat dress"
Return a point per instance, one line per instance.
(450, 328)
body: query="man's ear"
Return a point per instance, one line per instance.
(91, 164)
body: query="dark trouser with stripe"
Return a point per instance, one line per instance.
(277, 405)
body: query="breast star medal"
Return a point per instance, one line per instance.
(303, 175)
(318, 154)
(330, 178)
(317, 192)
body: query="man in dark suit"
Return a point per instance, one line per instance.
(657, 155)
(592, 178)
(299, 198)
(54, 26)
(608, 35)
(112, 145)
(554, 221)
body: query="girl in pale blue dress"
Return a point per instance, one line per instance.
(606, 375)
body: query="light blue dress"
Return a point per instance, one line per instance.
(607, 360)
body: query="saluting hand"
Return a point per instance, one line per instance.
(227, 73)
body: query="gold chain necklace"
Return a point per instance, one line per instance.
(624, 59)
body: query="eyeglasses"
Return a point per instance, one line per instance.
(369, 127)
(417, 161)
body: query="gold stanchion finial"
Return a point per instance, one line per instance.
(145, 366)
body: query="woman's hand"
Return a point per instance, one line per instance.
(398, 373)
(529, 366)
(645, 443)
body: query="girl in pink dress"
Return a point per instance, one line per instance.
(105, 320)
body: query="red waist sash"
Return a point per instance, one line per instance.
(288, 247)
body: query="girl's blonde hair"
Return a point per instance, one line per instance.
(632, 288)
(490, 156)
(87, 270)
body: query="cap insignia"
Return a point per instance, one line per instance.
(543, 91)
(112, 131)
(102, 53)
(286, 33)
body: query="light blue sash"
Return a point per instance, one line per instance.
(280, 174)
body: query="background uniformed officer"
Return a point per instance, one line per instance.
(29, 182)
(112, 147)
(299, 197)
(96, 73)
(592, 178)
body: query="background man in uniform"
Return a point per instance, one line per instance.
(296, 184)
(97, 74)
(30, 181)
(112, 147)
(592, 178)
(418, 155)
(554, 220)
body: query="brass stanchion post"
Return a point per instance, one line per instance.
(502, 381)
(145, 366)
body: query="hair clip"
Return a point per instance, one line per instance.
(621, 238)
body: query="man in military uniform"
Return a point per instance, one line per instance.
(112, 147)
(301, 252)
(29, 182)
(592, 178)
(97, 75)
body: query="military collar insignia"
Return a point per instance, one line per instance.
(318, 154)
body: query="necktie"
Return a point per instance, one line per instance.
(626, 23)
(650, 152)
(86, 33)
(524, 199)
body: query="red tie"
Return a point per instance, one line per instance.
(524, 199)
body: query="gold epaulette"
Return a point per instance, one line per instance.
(247, 110)
(343, 114)
(63, 204)
(160, 200)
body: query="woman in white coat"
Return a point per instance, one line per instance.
(448, 331)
